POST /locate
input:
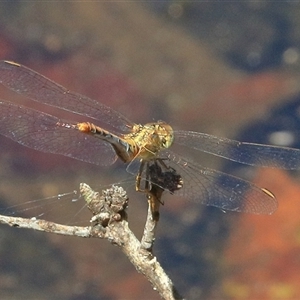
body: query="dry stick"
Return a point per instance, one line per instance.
(110, 222)
(160, 178)
(154, 201)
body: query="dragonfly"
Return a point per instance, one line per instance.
(146, 149)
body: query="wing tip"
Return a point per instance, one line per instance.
(12, 63)
(269, 193)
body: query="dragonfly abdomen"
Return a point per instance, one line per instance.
(125, 151)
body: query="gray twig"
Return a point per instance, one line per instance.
(110, 222)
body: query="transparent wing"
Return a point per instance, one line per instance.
(214, 188)
(40, 131)
(41, 89)
(245, 153)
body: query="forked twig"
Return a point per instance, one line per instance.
(110, 222)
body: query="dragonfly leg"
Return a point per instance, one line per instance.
(147, 186)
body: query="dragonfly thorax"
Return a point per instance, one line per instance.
(150, 138)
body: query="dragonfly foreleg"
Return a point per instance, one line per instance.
(144, 167)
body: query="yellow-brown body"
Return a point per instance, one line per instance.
(144, 142)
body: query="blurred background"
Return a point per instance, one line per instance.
(225, 68)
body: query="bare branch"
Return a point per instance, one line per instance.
(110, 222)
(46, 226)
(154, 201)
(110, 217)
(160, 178)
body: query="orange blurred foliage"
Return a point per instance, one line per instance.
(263, 254)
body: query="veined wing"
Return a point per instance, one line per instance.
(40, 131)
(41, 89)
(214, 188)
(242, 152)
